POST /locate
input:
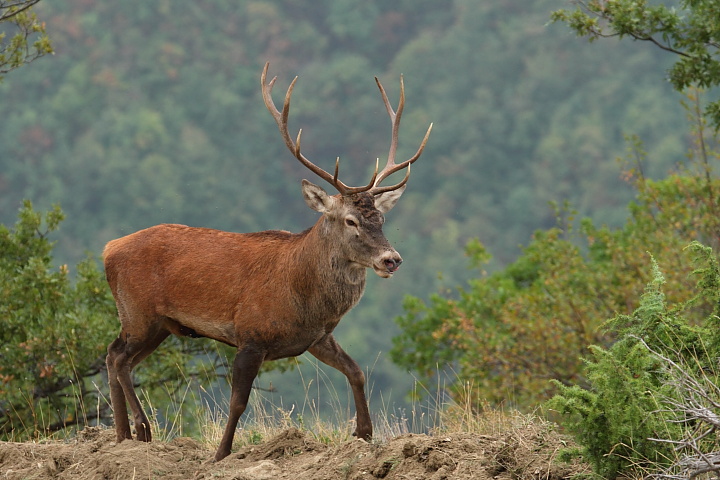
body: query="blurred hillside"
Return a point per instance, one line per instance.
(150, 112)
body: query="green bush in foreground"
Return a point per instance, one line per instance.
(53, 331)
(627, 419)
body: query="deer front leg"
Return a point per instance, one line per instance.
(245, 368)
(331, 353)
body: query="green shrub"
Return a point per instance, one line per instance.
(53, 332)
(629, 403)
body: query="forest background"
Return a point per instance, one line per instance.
(151, 113)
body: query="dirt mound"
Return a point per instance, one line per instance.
(295, 455)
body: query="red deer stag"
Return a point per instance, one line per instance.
(270, 294)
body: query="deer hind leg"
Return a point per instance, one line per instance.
(331, 353)
(124, 353)
(117, 395)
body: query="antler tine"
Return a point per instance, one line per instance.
(395, 121)
(396, 168)
(281, 118)
(390, 188)
(391, 167)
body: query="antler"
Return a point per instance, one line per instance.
(391, 167)
(281, 118)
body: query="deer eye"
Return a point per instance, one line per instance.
(351, 222)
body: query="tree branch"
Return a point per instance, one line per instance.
(21, 7)
(662, 46)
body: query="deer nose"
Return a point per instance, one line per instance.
(392, 264)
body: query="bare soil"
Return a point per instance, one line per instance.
(528, 453)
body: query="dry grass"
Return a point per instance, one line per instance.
(333, 424)
(323, 413)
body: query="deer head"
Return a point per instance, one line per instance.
(355, 223)
(355, 214)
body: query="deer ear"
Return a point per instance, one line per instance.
(387, 200)
(316, 197)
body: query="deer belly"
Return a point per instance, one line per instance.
(292, 347)
(280, 336)
(186, 326)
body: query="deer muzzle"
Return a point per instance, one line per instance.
(388, 264)
(392, 264)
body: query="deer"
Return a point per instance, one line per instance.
(270, 294)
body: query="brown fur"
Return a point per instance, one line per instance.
(270, 294)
